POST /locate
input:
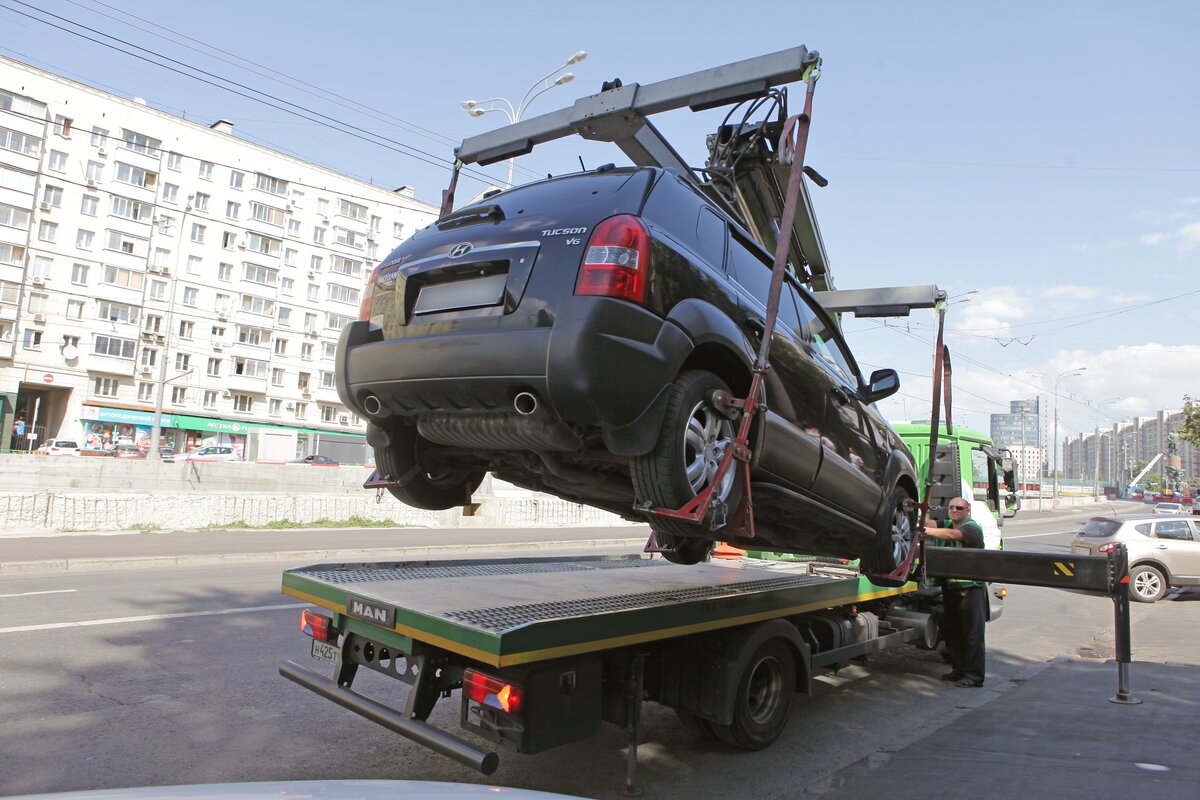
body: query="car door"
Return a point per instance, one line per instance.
(1177, 545)
(791, 448)
(851, 473)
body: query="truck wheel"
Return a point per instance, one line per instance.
(897, 542)
(764, 699)
(693, 438)
(421, 486)
(1146, 584)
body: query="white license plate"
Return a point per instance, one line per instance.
(1079, 550)
(474, 293)
(324, 651)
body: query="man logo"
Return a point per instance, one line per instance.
(460, 249)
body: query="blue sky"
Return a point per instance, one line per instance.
(1036, 160)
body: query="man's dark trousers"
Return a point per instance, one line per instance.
(963, 621)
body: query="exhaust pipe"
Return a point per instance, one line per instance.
(371, 405)
(525, 403)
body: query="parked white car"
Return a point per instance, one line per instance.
(59, 447)
(211, 453)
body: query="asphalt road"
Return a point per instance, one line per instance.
(166, 674)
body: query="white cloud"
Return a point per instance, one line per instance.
(1153, 239)
(1188, 236)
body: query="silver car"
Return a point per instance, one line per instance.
(1164, 551)
(1169, 508)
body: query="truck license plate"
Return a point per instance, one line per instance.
(324, 651)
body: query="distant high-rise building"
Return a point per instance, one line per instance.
(1021, 426)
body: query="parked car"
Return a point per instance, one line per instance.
(166, 452)
(59, 447)
(316, 461)
(1169, 508)
(127, 451)
(210, 453)
(576, 336)
(1163, 551)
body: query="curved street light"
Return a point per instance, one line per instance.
(1067, 374)
(475, 108)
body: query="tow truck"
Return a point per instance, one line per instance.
(543, 651)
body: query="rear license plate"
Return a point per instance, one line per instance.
(324, 651)
(1079, 550)
(477, 292)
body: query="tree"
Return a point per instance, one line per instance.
(1189, 431)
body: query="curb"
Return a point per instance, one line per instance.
(389, 554)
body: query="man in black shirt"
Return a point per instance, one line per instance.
(965, 602)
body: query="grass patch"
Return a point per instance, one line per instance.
(286, 524)
(147, 527)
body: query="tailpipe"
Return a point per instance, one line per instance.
(526, 403)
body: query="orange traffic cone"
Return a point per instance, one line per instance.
(726, 550)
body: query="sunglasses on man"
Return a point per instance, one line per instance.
(959, 508)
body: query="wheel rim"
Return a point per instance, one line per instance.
(902, 534)
(1147, 584)
(705, 441)
(765, 692)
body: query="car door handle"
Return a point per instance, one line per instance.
(840, 395)
(1160, 547)
(757, 327)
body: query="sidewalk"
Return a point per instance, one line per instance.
(124, 549)
(1056, 735)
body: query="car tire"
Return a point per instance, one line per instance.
(897, 538)
(764, 698)
(693, 437)
(418, 486)
(1147, 584)
(697, 725)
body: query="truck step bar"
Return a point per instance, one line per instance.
(421, 733)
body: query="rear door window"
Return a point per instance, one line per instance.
(1176, 529)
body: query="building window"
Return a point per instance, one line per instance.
(42, 265)
(210, 398)
(222, 304)
(218, 333)
(284, 317)
(129, 209)
(328, 349)
(153, 323)
(346, 266)
(20, 142)
(170, 193)
(149, 356)
(99, 137)
(70, 341)
(182, 362)
(243, 403)
(12, 254)
(117, 312)
(128, 278)
(270, 185)
(349, 238)
(256, 273)
(258, 305)
(235, 179)
(194, 265)
(190, 295)
(268, 214)
(255, 337)
(90, 206)
(200, 201)
(113, 346)
(178, 395)
(301, 410)
(302, 380)
(57, 162)
(314, 263)
(84, 240)
(198, 233)
(106, 387)
(285, 286)
(62, 125)
(277, 376)
(273, 406)
(94, 171)
(232, 210)
(328, 413)
(263, 244)
(145, 392)
(337, 321)
(158, 290)
(136, 176)
(48, 231)
(31, 339)
(343, 294)
(251, 368)
(327, 380)
(314, 293)
(352, 210)
(398, 230)
(52, 195)
(74, 309)
(206, 170)
(124, 243)
(79, 273)
(174, 161)
(225, 272)
(214, 367)
(318, 235)
(306, 351)
(37, 303)
(310, 321)
(187, 329)
(289, 257)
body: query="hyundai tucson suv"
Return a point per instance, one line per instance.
(570, 335)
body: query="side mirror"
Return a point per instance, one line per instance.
(1012, 498)
(883, 383)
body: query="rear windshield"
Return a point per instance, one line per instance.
(1099, 527)
(561, 194)
(65, 443)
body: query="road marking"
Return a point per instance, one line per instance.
(48, 591)
(1035, 535)
(147, 618)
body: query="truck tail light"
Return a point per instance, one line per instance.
(616, 260)
(364, 308)
(490, 691)
(316, 625)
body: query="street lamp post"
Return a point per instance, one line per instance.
(514, 113)
(1054, 443)
(156, 425)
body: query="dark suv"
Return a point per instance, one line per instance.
(569, 334)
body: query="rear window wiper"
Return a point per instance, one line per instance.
(469, 216)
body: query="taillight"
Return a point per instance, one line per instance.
(616, 260)
(489, 691)
(364, 308)
(1107, 548)
(316, 625)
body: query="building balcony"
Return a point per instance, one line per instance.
(246, 384)
(7, 349)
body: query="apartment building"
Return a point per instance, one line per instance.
(153, 266)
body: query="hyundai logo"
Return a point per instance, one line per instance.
(460, 249)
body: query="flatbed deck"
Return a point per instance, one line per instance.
(505, 612)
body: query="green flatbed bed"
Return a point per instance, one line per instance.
(520, 611)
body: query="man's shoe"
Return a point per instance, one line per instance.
(952, 676)
(968, 684)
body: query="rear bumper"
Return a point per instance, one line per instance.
(605, 364)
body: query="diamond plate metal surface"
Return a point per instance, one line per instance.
(376, 573)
